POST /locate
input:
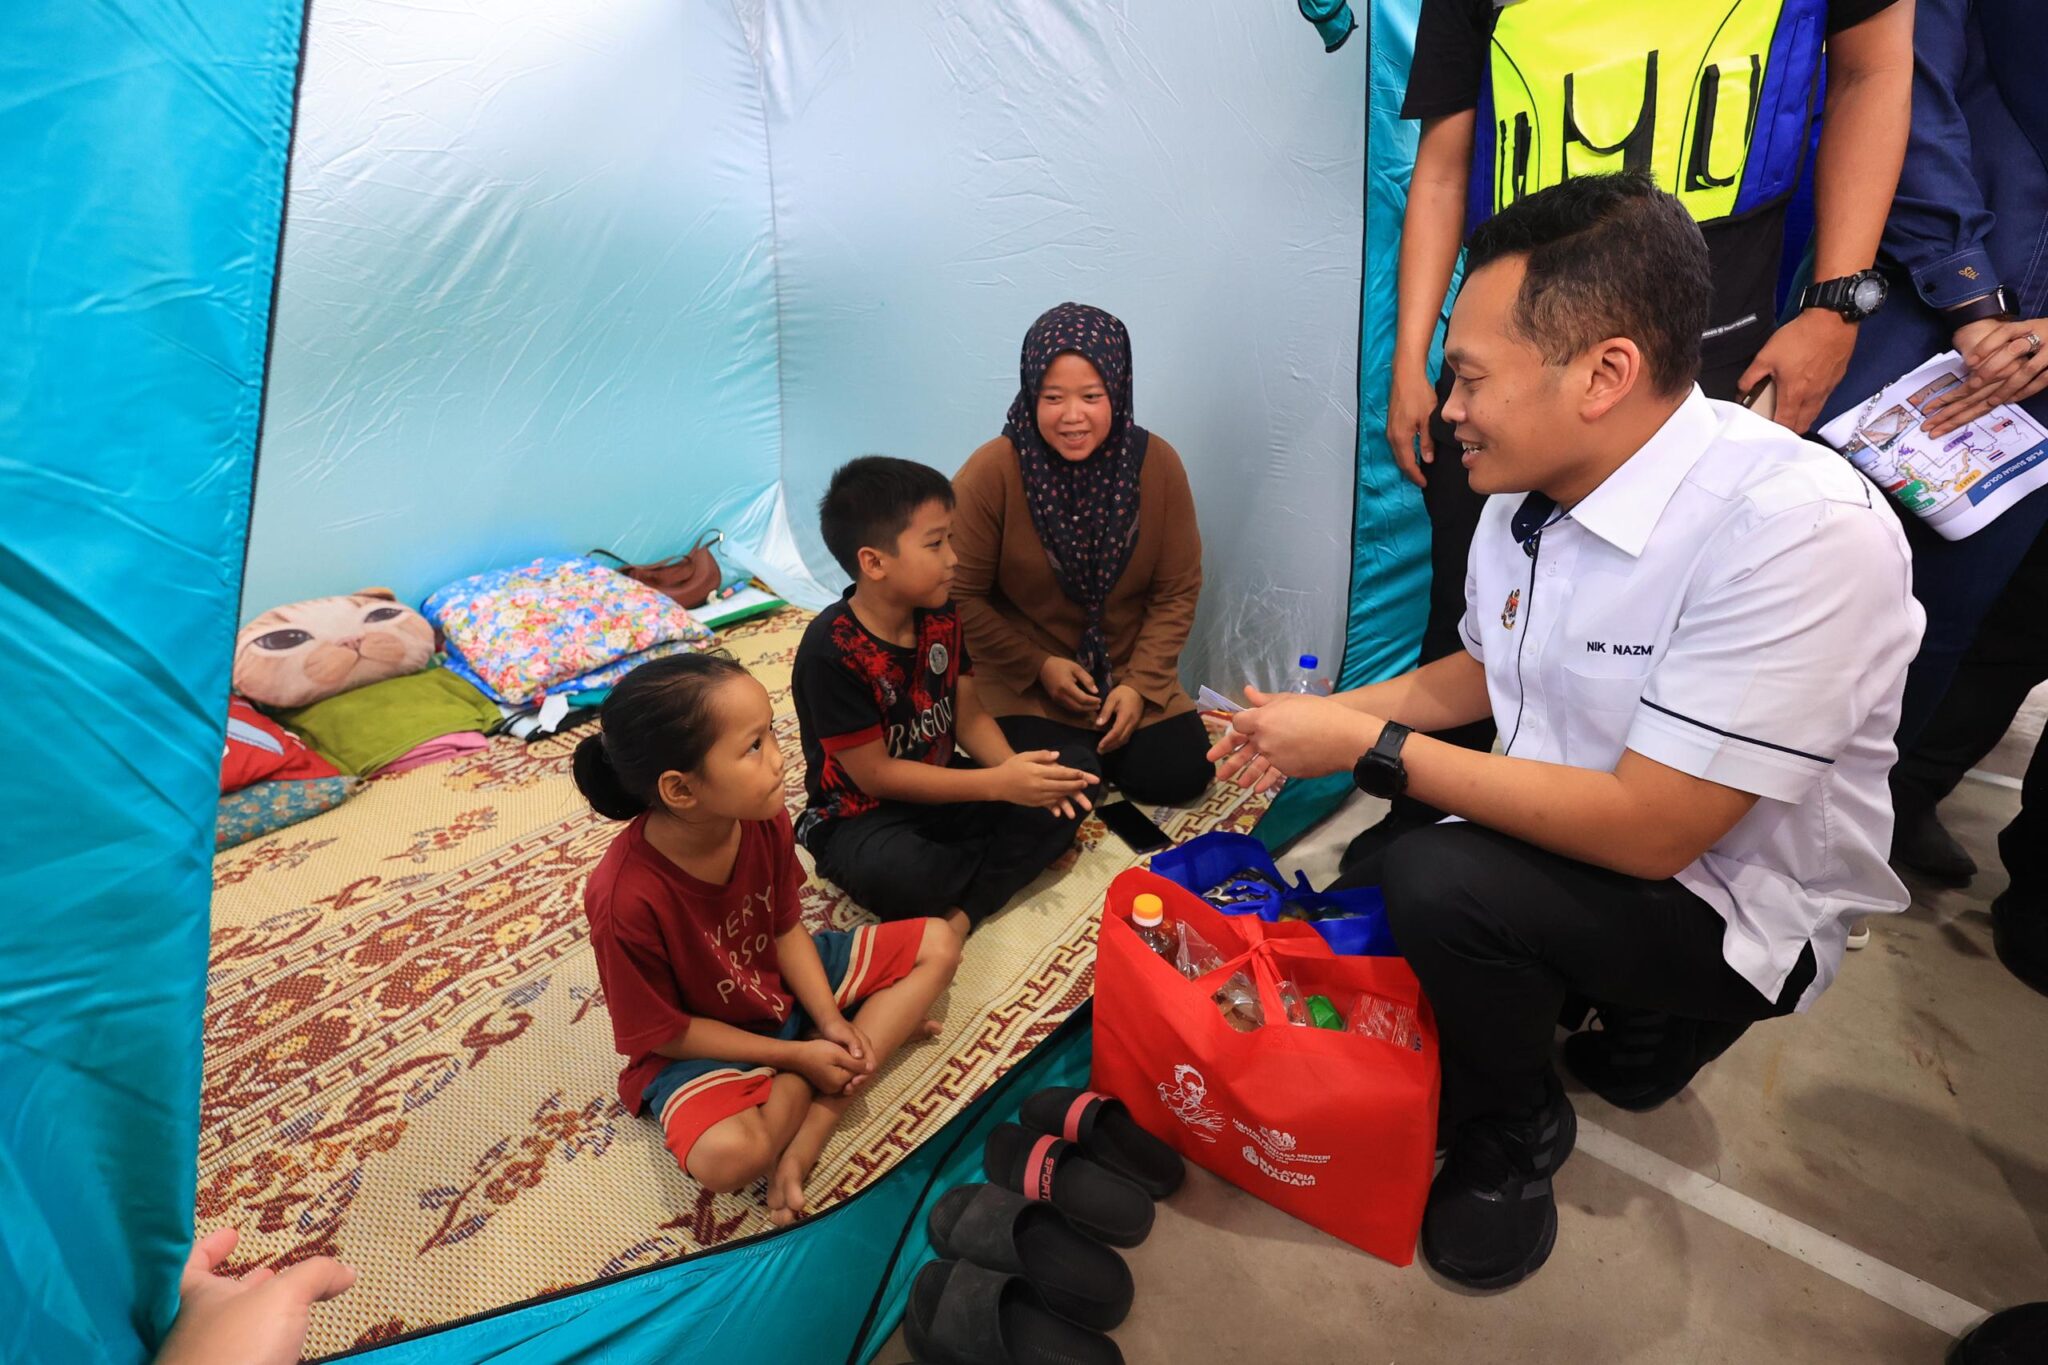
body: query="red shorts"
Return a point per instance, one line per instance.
(689, 1097)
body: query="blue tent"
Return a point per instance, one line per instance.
(426, 289)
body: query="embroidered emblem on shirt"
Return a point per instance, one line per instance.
(1513, 605)
(1968, 272)
(937, 657)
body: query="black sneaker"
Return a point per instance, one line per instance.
(1492, 1219)
(1637, 1059)
(1922, 844)
(2019, 933)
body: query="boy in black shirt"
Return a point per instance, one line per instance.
(883, 686)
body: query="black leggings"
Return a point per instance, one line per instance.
(1165, 763)
(1499, 931)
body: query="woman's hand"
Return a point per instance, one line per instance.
(260, 1319)
(2005, 362)
(1288, 734)
(1069, 684)
(1119, 718)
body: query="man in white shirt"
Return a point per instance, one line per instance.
(1692, 629)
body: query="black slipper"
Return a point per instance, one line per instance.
(1106, 1133)
(1000, 1229)
(1101, 1203)
(963, 1314)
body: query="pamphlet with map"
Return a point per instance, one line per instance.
(1957, 483)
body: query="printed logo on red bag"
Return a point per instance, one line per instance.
(1275, 1150)
(1187, 1099)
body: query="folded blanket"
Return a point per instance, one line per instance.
(437, 751)
(364, 730)
(267, 807)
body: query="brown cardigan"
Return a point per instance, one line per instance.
(1016, 615)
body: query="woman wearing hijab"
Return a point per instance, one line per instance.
(1080, 566)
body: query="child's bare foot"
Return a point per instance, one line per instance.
(785, 1194)
(786, 1199)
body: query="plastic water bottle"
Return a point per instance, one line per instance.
(1305, 679)
(1148, 917)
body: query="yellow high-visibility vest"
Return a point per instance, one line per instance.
(1713, 98)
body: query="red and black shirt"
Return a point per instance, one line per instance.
(853, 689)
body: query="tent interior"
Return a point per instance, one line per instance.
(326, 295)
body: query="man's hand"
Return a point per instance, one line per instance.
(1067, 683)
(1119, 717)
(843, 1031)
(2004, 362)
(829, 1067)
(1411, 402)
(259, 1319)
(1806, 357)
(1288, 734)
(1038, 778)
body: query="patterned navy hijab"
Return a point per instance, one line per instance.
(1085, 511)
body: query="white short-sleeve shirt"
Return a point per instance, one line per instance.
(1734, 603)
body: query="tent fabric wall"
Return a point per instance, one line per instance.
(518, 312)
(528, 299)
(1389, 588)
(943, 175)
(1390, 533)
(144, 147)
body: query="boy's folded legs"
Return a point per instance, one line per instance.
(1076, 747)
(1020, 843)
(1165, 763)
(903, 861)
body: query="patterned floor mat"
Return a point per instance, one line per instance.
(409, 1064)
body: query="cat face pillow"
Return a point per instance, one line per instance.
(309, 651)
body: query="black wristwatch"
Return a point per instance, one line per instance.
(1379, 770)
(1855, 296)
(1999, 303)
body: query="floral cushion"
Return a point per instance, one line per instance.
(525, 630)
(599, 680)
(268, 807)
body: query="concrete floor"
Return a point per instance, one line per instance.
(1902, 1117)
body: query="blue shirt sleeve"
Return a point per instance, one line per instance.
(1939, 222)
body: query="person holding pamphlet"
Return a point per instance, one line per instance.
(1963, 253)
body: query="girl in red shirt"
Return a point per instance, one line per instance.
(728, 1012)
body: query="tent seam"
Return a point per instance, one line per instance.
(756, 52)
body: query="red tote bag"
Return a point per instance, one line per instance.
(1336, 1128)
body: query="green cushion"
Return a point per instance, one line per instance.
(364, 729)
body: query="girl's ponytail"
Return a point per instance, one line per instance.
(657, 720)
(600, 785)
